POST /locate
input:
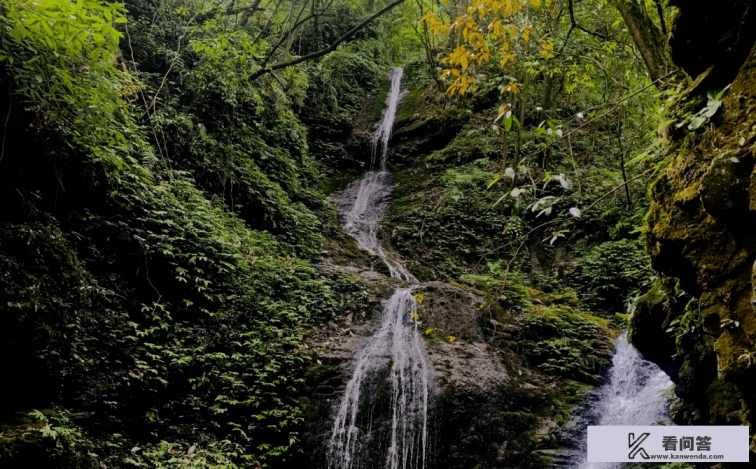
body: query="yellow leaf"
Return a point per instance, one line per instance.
(451, 339)
(428, 331)
(419, 298)
(482, 305)
(415, 316)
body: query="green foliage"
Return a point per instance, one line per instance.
(42, 438)
(609, 273)
(61, 56)
(159, 260)
(565, 341)
(242, 144)
(334, 98)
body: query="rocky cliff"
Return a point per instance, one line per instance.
(699, 322)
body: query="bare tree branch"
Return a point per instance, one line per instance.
(331, 48)
(575, 25)
(297, 24)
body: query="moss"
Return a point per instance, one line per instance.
(380, 100)
(570, 395)
(724, 398)
(411, 103)
(337, 183)
(564, 340)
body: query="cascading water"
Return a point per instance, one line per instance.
(395, 346)
(632, 395)
(382, 134)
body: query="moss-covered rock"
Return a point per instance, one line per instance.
(701, 229)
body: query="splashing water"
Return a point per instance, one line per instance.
(632, 395)
(395, 346)
(382, 134)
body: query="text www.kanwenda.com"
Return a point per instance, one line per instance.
(686, 456)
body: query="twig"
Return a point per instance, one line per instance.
(5, 128)
(617, 103)
(576, 25)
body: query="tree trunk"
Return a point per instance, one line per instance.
(546, 104)
(646, 36)
(523, 104)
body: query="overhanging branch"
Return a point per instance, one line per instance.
(331, 48)
(574, 24)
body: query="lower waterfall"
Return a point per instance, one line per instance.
(631, 395)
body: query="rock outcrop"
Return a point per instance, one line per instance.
(701, 229)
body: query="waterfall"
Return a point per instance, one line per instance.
(394, 347)
(382, 134)
(632, 395)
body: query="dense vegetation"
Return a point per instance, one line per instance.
(165, 172)
(161, 214)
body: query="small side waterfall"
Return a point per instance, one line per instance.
(632, 395)
(394, 347)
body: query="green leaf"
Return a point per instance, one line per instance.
(696, 122)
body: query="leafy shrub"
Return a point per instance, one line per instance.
(607, 275)
(565, 341)
(157, 262)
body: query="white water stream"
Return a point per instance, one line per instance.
(395, 346)
(632, 395)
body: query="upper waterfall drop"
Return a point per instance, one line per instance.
(382, 134)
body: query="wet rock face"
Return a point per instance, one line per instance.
(468, 363)
(713, 33)
(652, 313)
(491, 430)
(702, 230)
